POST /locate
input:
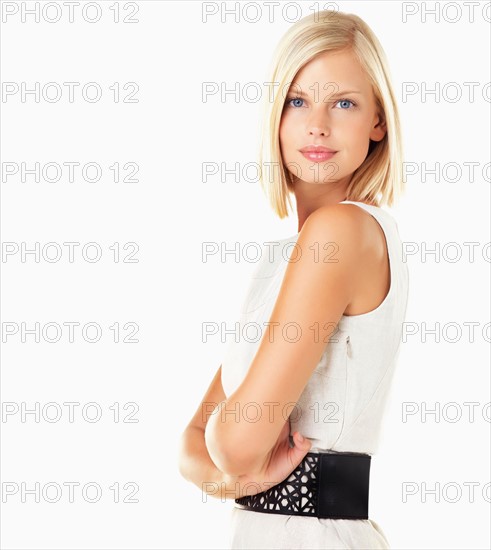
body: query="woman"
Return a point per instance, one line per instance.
(331, 301)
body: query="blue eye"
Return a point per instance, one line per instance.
(345, 103)
(295, 99)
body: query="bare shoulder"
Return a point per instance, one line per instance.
(356, 237)
(346, 223)
(361, 246)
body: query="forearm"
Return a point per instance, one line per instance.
(196, 466)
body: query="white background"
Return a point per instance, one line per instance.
(171, 291)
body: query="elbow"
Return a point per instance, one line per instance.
(231, 464)
(229, 456)
(182, 458)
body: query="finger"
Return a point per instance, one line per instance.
(301, 448)
(301, 441)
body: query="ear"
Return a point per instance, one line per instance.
(379, 129)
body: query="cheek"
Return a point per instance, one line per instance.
(358, 131)
(285, 134)
(284, 131)
(365, 127)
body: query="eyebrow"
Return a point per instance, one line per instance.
(302, 94)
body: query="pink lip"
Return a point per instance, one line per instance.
(317, 149)
(317, 153)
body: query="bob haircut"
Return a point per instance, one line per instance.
(379, 178)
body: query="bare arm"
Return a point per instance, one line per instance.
(195, 463)
(196, 466)
(314, 292)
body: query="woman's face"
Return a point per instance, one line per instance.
(335, 109)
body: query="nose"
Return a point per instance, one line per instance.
(318, 126)
(314, 131)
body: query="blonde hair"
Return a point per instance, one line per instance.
(379, 178)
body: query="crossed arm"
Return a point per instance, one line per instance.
(316, 290)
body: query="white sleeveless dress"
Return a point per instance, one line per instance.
(342, 406)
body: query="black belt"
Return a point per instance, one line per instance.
(324, 485)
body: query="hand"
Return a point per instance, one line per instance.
(279, 463)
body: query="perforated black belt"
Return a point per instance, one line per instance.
(324, 485)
